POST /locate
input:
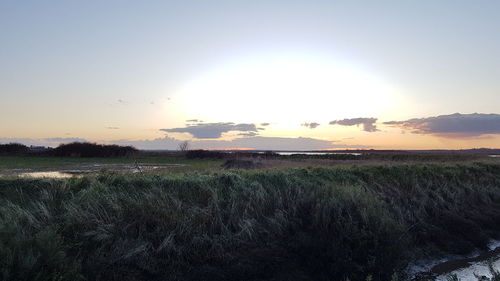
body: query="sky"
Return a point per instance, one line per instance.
(277, 75)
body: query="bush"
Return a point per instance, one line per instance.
(204, 154)
(13, 149)
(81, 149)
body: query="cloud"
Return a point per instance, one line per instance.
(64, 140)
(453, 126)
(310, 125)
(193, 120)
(265, 124)
(165, 143)
(255, 142)
(170, 143)
(249, 134)
(273, 143)
(212, 130)
(368, 123)
(112, 128)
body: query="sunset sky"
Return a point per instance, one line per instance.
(279, 75)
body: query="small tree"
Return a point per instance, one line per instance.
(184, 146)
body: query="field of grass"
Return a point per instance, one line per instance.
(40, 163)
(290, 224)
(13, 164)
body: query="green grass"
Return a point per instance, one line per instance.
(49, 162)
(292, 224)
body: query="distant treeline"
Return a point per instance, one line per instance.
(202, 154)
(85, 149)
(213, 154)
(365, 155)
(13, 149)
(75, 149)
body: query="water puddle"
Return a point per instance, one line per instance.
(52, 174)
(469, 273)
(465, 268)
(92, 168)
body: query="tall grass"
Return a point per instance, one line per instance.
(297, 224)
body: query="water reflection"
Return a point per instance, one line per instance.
(53, 174)
(95, 169)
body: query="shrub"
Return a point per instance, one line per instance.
(204, 154)
(81, 149)
(13, 149)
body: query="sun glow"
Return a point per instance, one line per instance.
(286, 91)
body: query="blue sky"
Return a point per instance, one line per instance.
(76, 68)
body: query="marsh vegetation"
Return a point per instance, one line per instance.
(286, 224)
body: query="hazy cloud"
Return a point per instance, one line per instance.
(51, 142)
(213, 130)
(249, 134)
(193, 121)
(64, 140)
(112, 128)
(453, 125)
(169, 143)
(254, 142)
(311, 125)
(265, 124)
(165, 143)
(368, 123)
(24, 141)
(276, 143)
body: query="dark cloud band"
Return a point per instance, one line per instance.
(213, 130)
(249, 142)
(367, 123)
(453, 125)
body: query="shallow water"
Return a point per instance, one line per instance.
(88, 169)
(469, 273)
(465, 267)
(52, 174)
